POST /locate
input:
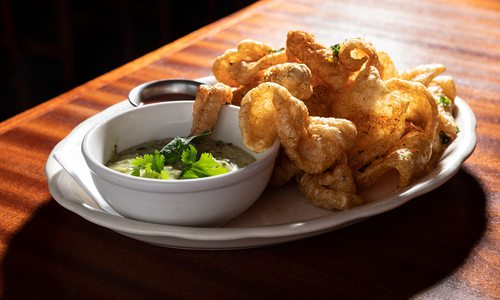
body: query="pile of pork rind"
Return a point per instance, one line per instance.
(344, 114)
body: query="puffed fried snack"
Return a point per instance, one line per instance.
(312, 143)
(378, 114)
(423, 73)
(332, 189)
(335, 65)
(295, 77)
(284, 170)
(258, 114)
(411, 155)
(208, 102)
(320, 101)
(238, 67)
(344, 115)
(443, 90)
(256, 117)
(388, 69)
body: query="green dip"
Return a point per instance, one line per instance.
(227, 155)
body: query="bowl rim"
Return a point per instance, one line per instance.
(135, 96)
(151, 184)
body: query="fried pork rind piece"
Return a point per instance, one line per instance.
(240, 92)
(332, 189)
(422, 110)
(444, 91)
(208, 102)
(320, 102)
(423, 73)
(256, 117)
(355, 52)
(444, 85)
(295, 77)
(312, 143)
(411, 155)
(237, 67)
(334, 71)
(284, 170)
(378, 114)
(388, 69)
(361, 118)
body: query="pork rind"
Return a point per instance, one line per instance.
(332, 189)
(388, 69)
(284, 170)
(207, 104)
(409, 157)
(238, 67)
(422, 109)
(356, 52)
(312, 143)
(333, 70)
(344, 115)
(378, 114)
(444, 85)
(443, 90)
(412, 153)
(295, 77)
(423, 73)
(319, 104)
(257, 112)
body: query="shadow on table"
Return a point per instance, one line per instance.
(394, 255)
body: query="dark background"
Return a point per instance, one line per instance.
(48, 47)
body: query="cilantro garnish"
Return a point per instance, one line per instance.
(445, 101)
(180, 154)
(204, 167)
(335, 50)
(152, 166)
(335, 53)
(173, 150)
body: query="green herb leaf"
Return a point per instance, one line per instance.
(141, 161)
(209, 165)
(149, 173)
(136, 172)
(189, 155)
(335, 50)
(173, 150)
(158, 162)
(181, 153)
(164, 175)
(204, 167)
(445, 101)
(150, 162)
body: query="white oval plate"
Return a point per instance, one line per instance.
(280, 215)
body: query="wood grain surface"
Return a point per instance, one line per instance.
(444, 244)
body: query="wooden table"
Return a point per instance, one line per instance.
(444, 244)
